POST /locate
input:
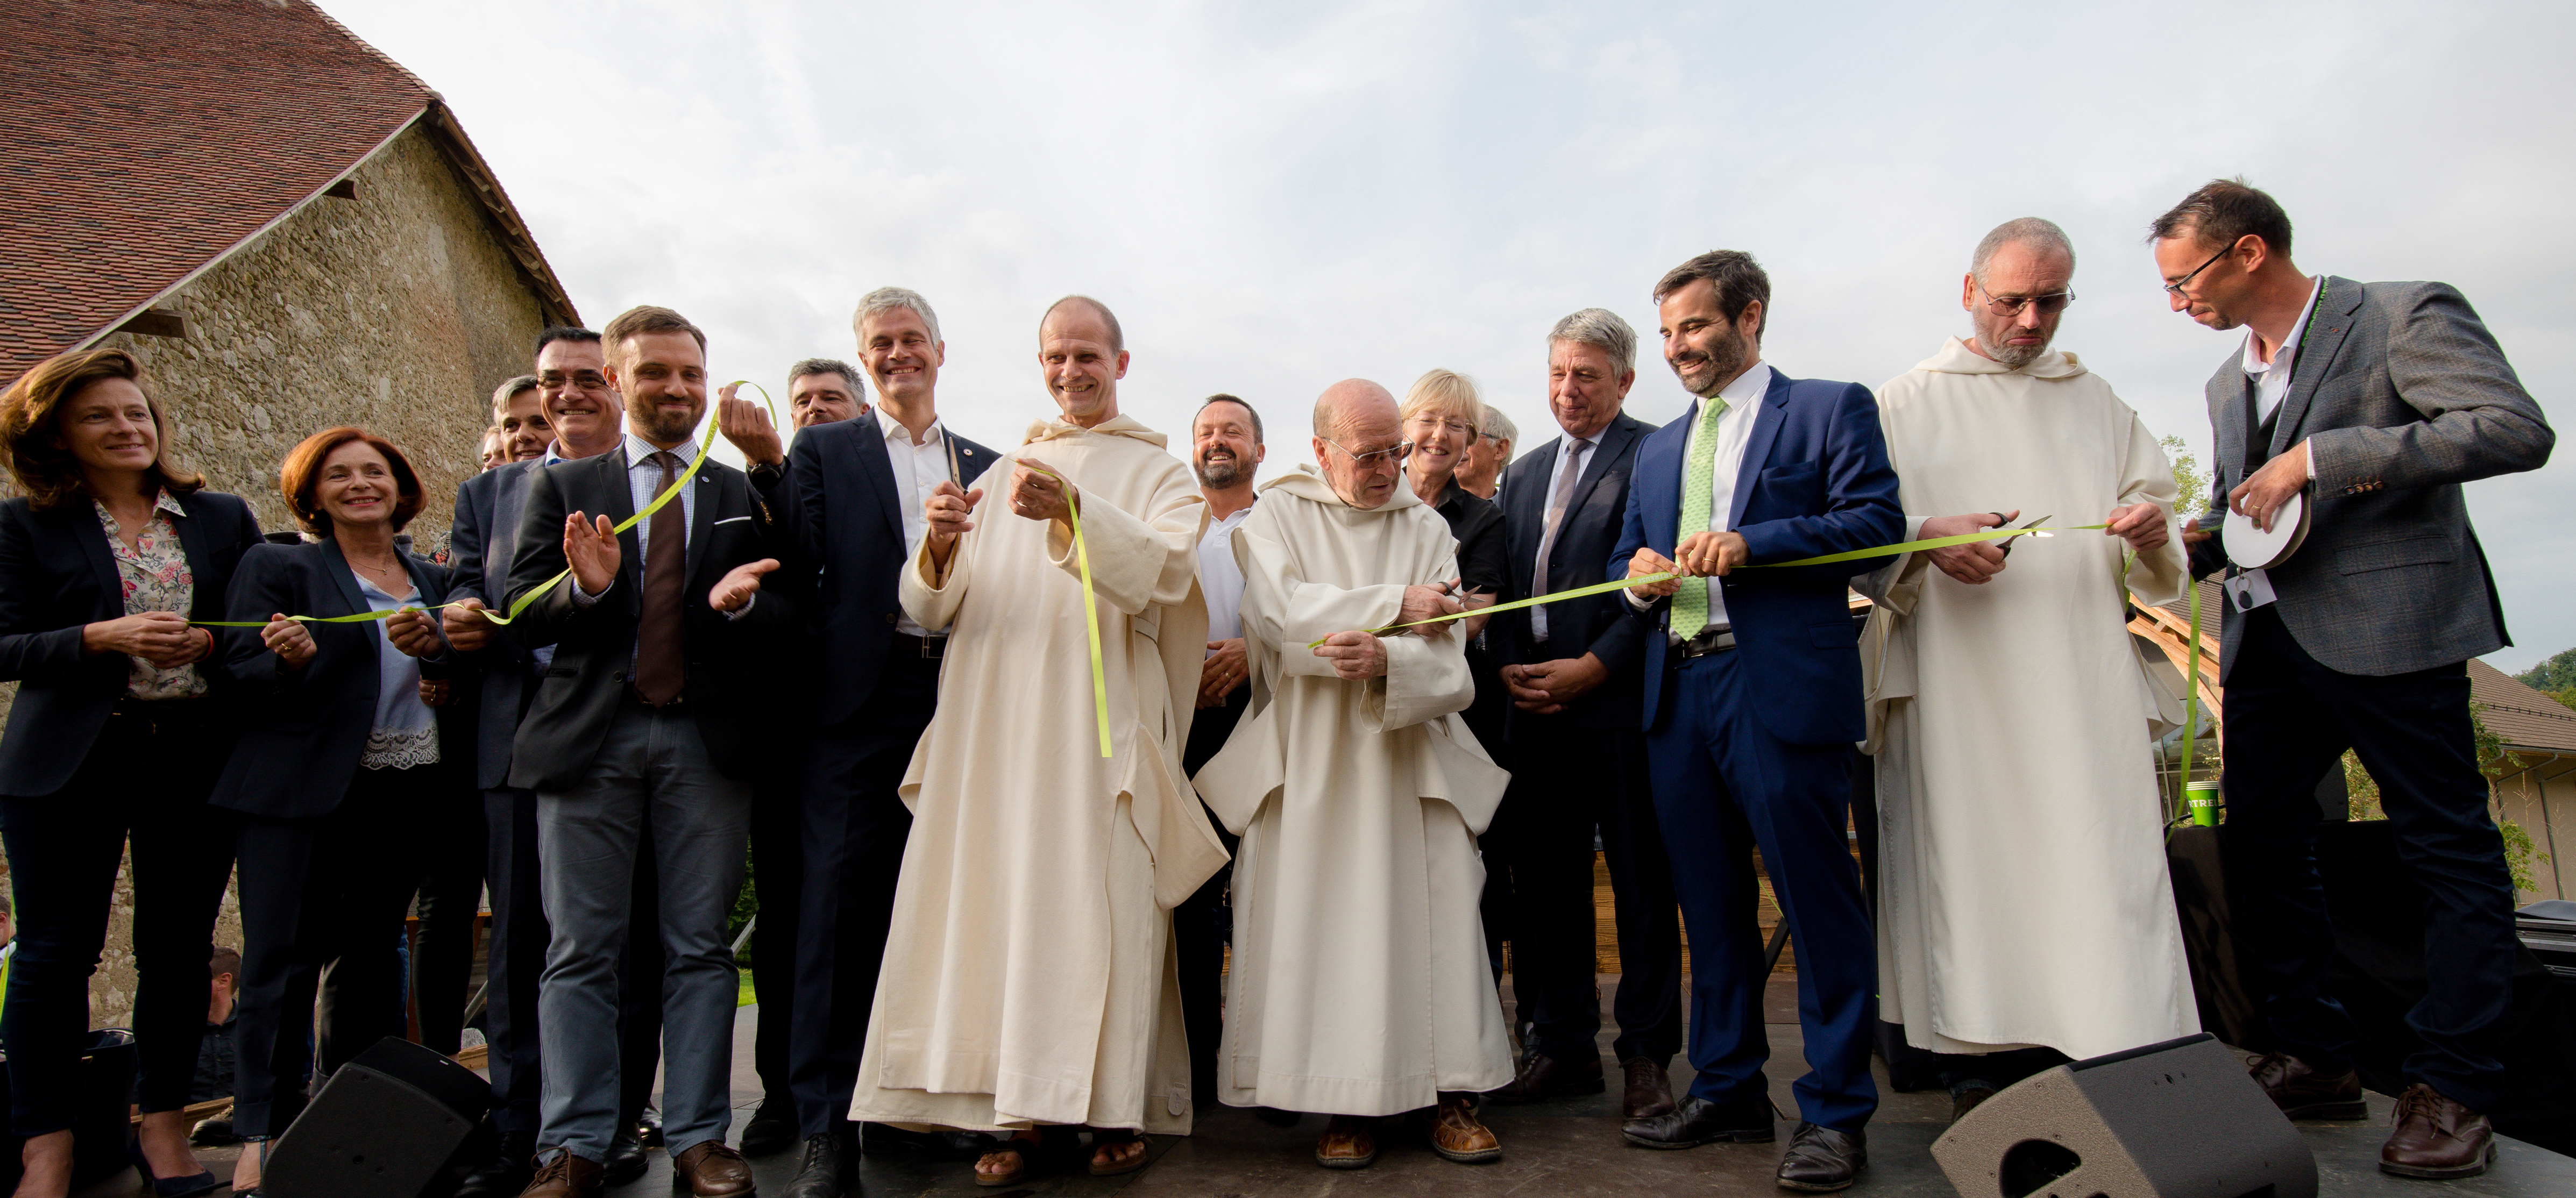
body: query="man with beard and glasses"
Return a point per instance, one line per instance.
(1752, 704)
(1225, 452)
(650, 711)
(2025, 915)
(860, 486)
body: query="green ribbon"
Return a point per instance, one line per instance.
(1990, 534)
(364, 617)
(1090, 606)
(2191, 698)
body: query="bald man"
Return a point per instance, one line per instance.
(1359, 986)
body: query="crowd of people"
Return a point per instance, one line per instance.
(1087, 784)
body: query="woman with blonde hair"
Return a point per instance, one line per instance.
(1440, 417)
(116, 735)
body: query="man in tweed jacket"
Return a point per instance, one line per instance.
(2377, 401)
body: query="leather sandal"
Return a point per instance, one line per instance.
(1111, 1138)
(1014, 1145)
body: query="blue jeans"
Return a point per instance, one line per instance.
(652, 768)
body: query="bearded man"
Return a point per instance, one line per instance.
(2025, 915)
(1359, 986)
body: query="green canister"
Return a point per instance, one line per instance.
(2202, 797)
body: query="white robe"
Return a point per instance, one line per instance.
(2023, 894)
(1029, 974)
(1359, 983)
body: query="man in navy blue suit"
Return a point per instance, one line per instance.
(1752, 706)
(857, 492)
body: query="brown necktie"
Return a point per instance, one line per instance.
(659, 651)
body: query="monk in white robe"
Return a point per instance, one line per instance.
(1359, 986)
(2023, 899)
(1029, 977)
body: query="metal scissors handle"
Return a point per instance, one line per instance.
(2008, 541)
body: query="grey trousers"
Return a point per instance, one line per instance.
(652, 765)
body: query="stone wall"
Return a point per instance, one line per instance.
(399, 309)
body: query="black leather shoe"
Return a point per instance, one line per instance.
(625, 1160)
(772, 1128)
(878, 1139)
(508, 1172)
(1695, 1121)
(1821, 1160)
(1543, 1076)
(830, 1168)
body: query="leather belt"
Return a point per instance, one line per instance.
(1710, 640)
(928, 648)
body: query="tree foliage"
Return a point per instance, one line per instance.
(2556, 676)
(2189, 480)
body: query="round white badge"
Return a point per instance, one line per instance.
(2254, 549)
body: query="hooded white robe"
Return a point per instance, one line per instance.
(1359, 983)
(2023, 891)
(1029, 976)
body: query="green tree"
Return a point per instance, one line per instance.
(2554, 675)
(2189, 480)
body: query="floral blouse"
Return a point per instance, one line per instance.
(155, 577)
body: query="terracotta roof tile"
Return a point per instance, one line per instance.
(146, 138)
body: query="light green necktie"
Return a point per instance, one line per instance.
(1690, 604)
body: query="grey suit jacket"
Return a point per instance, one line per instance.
(485, 531)
(2402, 395)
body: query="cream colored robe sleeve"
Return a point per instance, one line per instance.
(1136, 561)
(2147, 477)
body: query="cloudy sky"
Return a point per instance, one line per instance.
(1274, 197)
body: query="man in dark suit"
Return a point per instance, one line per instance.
(858, 487)
(2375, 401)
(1752, 704)
(1580, 754)
(650, 708)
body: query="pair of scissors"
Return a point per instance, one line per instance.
(2008, 541)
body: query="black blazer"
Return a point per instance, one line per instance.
(56, 576)
(479, 545)
(730, 662)
(303, 731)
(1595, 624)
(849, 539)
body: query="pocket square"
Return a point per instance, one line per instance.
(730, 520)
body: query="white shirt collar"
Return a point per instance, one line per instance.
(894, 430)
(639, 451)
(1747, 387)
(2289, 347)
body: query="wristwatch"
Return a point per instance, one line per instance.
(766, 474)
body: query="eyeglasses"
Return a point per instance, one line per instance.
(1376, 457)
(2011, 305)
(1460, 427)
(2175, 288)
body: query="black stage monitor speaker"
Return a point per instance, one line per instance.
(384, 1126)
(2174, 1120)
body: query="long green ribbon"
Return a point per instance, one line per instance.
(521, 606)
(2191, 699)
(1990, 534)
(1090, 606)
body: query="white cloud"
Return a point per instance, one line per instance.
(1274, 197)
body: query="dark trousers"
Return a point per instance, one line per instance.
(1571, 781)
(451, 895)
(640, 966)
(312, 892)
(778, 887)
(1723, 787)
(1204, 923)
(2288, 719)
(517, 958)
(854, 831)
(146, 778)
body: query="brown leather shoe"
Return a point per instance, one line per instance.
(2436, 1137)
(1456, 1134)
(712, 1171)
(565, 1176)
(1348, 1142)
(1965, 1100)
(1649, 1091)
(1543, 1076)
(2304, 1093)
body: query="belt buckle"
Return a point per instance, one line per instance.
(934, 647)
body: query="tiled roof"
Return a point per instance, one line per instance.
(147, 138)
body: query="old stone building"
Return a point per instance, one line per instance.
(289, 228)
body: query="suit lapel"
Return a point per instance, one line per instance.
(706, 485)
(1757, 449)
(192, 542)
(617, 500)
(82, 523)
(2317, 348)
(879, 471)
(337, 564)
(509, 502)
(1605, 450)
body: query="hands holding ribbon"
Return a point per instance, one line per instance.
(1977, 562)
(288, 639)
(160, 637)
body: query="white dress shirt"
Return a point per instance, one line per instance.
(1571, 457)
(1220, 578)
(1734, 429)
(2272, 379)
(918, 469)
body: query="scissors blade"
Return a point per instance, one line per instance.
(2008, 541)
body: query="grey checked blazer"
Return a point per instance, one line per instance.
(2402, 396)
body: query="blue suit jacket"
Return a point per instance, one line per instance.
(1815, 480)
(480, 545)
